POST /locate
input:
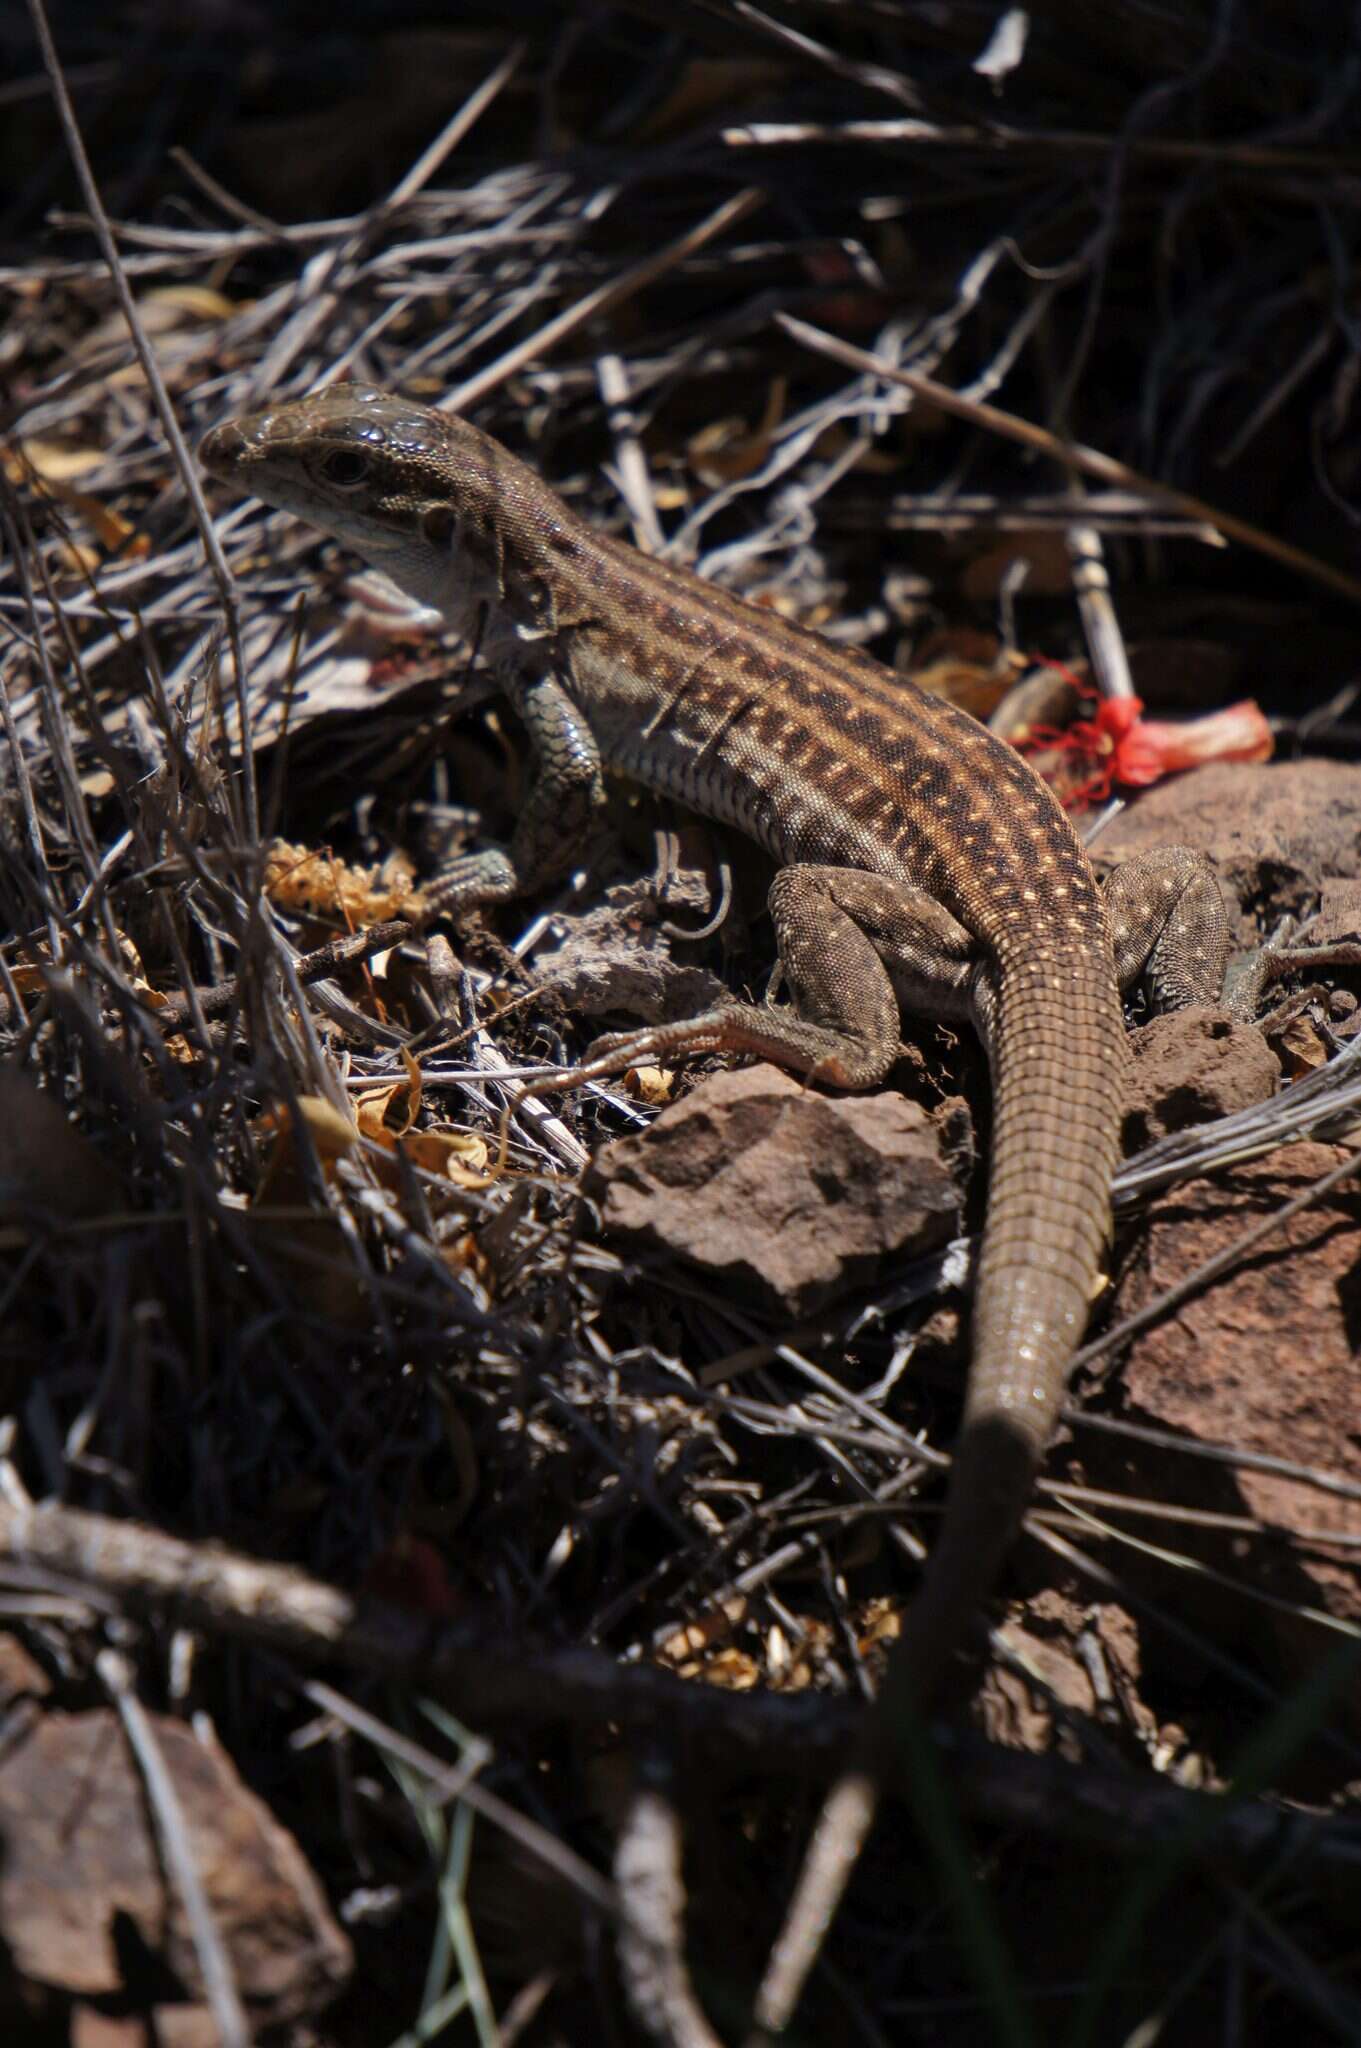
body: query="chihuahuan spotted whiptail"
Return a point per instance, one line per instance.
(923, 864)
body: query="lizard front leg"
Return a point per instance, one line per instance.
(556, 817)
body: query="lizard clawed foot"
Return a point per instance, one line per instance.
(617, 1051)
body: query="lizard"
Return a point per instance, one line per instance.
(922, 865)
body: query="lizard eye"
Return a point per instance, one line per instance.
(345, 468)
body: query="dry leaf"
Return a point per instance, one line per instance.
(728, 449)
(967, 668)
(56, 462)
(115, 534)
(79, 560)
(311, 1249)
(197, 301)
(332, 1132)
(1049, 568)
(733, 1671)
(1300, 1048)
(176, 1044)
(709, 1628)
(882, 1622)
(300, 879)
(387, 1113)
(385, 1116)
(460, 1157)
(650, 1084)
(46, 1166)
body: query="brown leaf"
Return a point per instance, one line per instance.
(1300, 1048)
(193, 301)
(45, 1163)
(728, 449)
(650, 1084)
(80, 1853)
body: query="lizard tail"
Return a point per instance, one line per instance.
(1051, 1021)
(1056, 1047)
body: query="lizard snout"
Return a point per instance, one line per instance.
(222, 449)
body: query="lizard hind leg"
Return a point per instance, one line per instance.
(853, 945)
(1168, 926)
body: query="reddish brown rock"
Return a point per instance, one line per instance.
(1274, 832)
(791, 1194)
(1264, 1359)
(618, 956)
(1339, 914)
(1190, 1067)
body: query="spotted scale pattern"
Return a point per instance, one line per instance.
(921, 855)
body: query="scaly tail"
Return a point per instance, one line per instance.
(1056, 1047)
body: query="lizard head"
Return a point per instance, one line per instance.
(422, 495)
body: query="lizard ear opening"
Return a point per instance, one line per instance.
(439, 525)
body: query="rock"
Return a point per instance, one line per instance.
(1190, 1067)
(1274, 832)
(1339, 914)
(617, 956)
(792, 1195)
(1264, 1358)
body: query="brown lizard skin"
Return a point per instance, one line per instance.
(922, 863)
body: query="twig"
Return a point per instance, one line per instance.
(843, 1826)
(219, 1981)
(170, 426)
(177, 1013)
(1092, 589)
(495, 1682)
(647, 1870)
(1002, 141)
(603, 300)
(1089, 460)
(128, 1567)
